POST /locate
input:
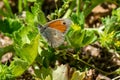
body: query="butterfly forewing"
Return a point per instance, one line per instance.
(59, 25)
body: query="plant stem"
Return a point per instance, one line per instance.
(106, 73)
(78, 6)
(20, 6)
(7, 5)
(25, 4)
(69, 11)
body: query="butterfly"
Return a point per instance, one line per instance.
(54, 31)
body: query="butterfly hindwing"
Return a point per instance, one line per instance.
(54, 37)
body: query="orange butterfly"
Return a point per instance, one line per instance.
(55, 30)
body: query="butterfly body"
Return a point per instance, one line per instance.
(54, 31)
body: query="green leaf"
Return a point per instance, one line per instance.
(48, 78)
(29, 18)
(117, 71)
(80, 37)
(89, 38)
(29, 51)
(10, 25)
(117, 35)
(117, 41)
(38, 13)
(116, 13)
(76, 36)
(37, 16)
(48, 57)
(106, 39)
(41, 18)
(27, 55)
(111, 24)
(78, 19)
(21, 36)
(18, 66)
(77, 75)
(43, 72)
(5, 72)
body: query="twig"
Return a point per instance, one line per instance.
(116, 78)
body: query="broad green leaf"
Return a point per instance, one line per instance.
(21, 36)
(76, 36)
(10, 25)
(80, 37)
(28, 54)
(18, 66)
(29, 51)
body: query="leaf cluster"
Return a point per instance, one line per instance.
(30, 49)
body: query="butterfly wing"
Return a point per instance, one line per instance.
(54, 31)
(54, 37)
(61, 25)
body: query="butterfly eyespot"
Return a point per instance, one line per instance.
(64, 23)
